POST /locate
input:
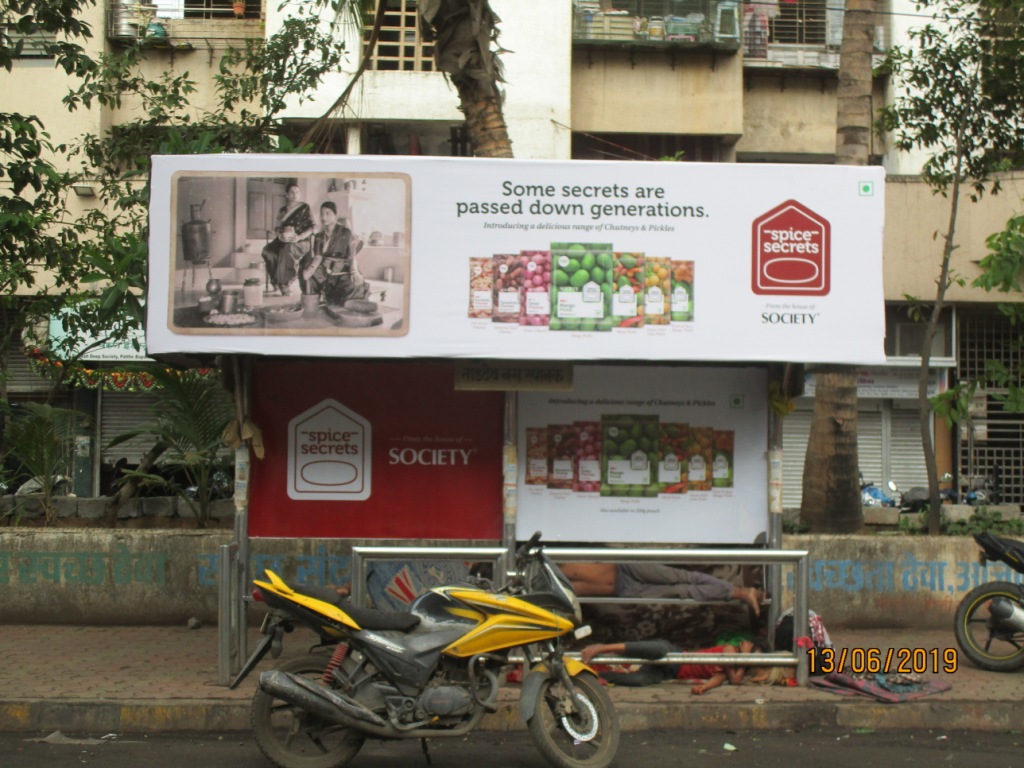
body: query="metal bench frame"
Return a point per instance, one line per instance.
(499, 556)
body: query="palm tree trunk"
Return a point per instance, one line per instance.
(485, 122)
(853, 94)
(831, 486)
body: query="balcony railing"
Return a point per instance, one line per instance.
(659, 22)
(801, 33)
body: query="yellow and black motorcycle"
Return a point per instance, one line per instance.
(430, 673)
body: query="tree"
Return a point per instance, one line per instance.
(99, 261)
(35, 235)
(964, 73)
(253, 86)
(465, 35)
(831, 486)
(41, 438)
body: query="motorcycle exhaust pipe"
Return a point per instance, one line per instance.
(1007, 613)
(317, 699)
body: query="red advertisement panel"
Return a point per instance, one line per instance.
(374, 451)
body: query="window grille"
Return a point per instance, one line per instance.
(993, 441)
(400, 45)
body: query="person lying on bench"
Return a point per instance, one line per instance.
(708, 675)
(655, 580)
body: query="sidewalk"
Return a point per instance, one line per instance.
(100, 680)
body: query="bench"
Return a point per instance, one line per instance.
(499, 556)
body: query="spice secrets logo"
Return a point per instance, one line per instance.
(791, 252)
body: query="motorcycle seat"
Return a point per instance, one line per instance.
(367, 618)
(374, 618)
(999, 548)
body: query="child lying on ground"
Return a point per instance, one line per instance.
(709, 675)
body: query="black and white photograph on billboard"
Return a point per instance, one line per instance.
(309, 255)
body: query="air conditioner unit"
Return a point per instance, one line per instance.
(910, 340)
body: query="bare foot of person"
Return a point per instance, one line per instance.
(751, 597)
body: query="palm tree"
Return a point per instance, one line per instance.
(188, 429)
(464, 34)
(831, 497)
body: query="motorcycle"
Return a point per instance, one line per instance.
(985, 490)
(428, 673)
(989, 623)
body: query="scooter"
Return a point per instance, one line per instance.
(989, 623)
(433, 672)
(873, 496)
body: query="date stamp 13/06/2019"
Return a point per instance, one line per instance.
(823, 661)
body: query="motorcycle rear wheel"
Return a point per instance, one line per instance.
(587, 737)
(291, 738)
(986, 643)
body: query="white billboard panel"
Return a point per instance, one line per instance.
(355, 256)
(646, 455)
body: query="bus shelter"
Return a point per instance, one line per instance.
(497, 347)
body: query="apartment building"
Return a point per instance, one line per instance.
(703, 80)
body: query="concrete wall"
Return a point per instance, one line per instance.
(891, 581)
(914, 214)
(650, 92)
(166, 577)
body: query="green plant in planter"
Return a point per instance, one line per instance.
(984, 520)
(913, 524)
(42, 437)
(188, 420)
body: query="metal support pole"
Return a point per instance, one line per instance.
(800, 619)
(510, 499)
(224, 614)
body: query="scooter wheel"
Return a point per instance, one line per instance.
(292, 738)
(985, 641)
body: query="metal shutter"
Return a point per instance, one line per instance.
(20, 378)
(796, 431)
(870, 443)
(906, 454)
(122, 412)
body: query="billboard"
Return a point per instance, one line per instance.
(652, 454)
(396, 257)
(374, 450)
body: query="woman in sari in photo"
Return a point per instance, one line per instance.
(293, 229)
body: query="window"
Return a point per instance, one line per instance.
(904, 335)
(399, 45)
(31, 46)
(801, 22)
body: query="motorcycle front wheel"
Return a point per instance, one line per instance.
(586, 736)
(986, 641)
(292, 738)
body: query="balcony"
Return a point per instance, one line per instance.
(797, 34)
(668, 24)
(184, 24)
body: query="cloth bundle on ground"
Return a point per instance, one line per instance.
(890, 688)
(685, 626)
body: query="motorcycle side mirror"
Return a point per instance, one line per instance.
(891, 485)
(946, 477)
